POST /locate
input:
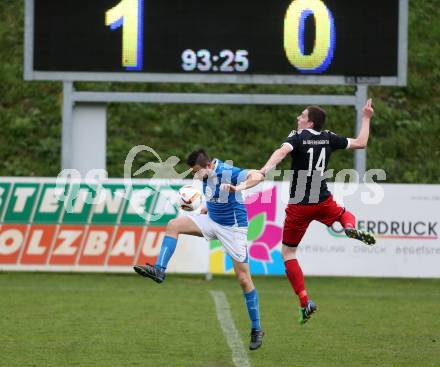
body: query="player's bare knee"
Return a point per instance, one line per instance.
(173, 227)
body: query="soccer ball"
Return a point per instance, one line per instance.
(190, 198)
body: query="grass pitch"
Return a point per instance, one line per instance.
(126, 320)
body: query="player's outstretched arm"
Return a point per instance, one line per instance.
(253, 178)
(362, 140)
(276, 157)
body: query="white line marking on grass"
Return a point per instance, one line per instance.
(239, 355)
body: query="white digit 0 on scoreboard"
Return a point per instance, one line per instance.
(129, 15)
(325, 36)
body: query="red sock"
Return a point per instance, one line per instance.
(296, 279)
(348, 220)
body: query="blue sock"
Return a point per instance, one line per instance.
(253, 308)
(166, 251)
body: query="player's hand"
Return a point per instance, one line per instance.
(229, 188)
(204, 210)
(368, 111)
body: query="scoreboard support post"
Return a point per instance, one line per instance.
(89, 131)
(360, 155)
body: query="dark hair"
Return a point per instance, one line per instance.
(317, 115)
(200, 157)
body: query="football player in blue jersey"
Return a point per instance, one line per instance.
(224, 218)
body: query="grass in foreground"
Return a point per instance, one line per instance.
(121, 320)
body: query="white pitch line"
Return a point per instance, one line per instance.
(239, 355)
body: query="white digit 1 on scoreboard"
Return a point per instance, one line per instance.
(129, 14)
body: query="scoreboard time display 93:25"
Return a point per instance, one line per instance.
(249, 41)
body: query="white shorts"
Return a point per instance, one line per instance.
(233, 239)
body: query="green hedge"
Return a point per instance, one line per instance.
(404, 138)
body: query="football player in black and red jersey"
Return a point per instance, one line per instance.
(310, 148)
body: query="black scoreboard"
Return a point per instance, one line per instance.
(230, 40)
